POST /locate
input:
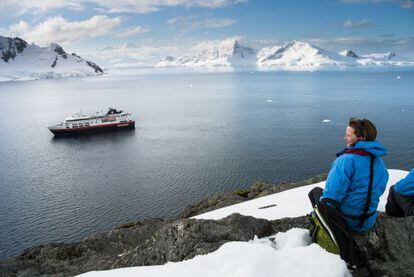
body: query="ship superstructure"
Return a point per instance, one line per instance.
(113, 119)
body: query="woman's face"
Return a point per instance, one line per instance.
(350, 138)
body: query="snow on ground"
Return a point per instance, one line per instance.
(290, 253)
(290, 203)
(283, 254)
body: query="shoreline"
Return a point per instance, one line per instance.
(158, 241)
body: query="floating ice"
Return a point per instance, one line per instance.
(269, 101)
(398, 77)
(191, 85)
(326, 121)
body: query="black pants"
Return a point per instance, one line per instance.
(331, 213)
(399, 205)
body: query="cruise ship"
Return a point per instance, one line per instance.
(111, 120)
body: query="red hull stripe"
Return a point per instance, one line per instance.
(119, 124)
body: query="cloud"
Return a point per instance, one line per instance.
(110, 6)
(132, 31)
(405, 4)
(357, 24)
(59, 30)
(368, 44)
(192, 22)
(132, 54)
(26, 6)
(148, 6)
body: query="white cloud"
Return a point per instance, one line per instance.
(148, 6)
(135, 54)
(110, 6)
(192, 22)
(357, 24)
(132, 31)
(405, 4)
(59, 30)
(25, 6)
(218, 23)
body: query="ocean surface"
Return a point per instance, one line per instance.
(197, 133)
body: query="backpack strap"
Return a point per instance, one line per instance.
(365, 215)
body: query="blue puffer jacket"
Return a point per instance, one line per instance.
(406, 186)
(348, 182)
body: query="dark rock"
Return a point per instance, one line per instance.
(20, 44)
(212, 203)
(351, 54)
(287, 223)
(185, 238)
(58, 49)
(98, 252)
(388, 248)
(54, 62)
(95, 67)
(146, 242)
(257, 188)
(10, 47)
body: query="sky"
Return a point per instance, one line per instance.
(146, 30)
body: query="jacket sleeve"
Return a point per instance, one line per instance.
(339, 178)
(406, 186)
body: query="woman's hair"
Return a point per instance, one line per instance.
(363, 128)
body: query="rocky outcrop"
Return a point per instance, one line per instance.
(59, 50)
(10, 47)
(95, 67)
(147, 242)
(183, 239)
(258, 189)
(386, 250)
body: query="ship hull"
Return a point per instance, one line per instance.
(63, 132)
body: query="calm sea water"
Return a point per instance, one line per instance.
(196, 134)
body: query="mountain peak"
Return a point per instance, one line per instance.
(349, 53)
(58, 49)
(10, 47)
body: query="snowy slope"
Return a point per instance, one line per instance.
(302, 54)
(290, 203)
(23, 61)
(378, 60)
(226, 53)
(290, 254)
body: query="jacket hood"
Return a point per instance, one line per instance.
(373, 147)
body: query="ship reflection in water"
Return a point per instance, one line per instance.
(112, 120)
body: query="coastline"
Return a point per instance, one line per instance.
(158, 241)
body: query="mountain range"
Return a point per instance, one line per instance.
(292, 55)
(20, 60)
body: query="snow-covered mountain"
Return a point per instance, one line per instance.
(300, 54)
(349, 53)
(381, 59)
(23, 61)
(292, 55)
(227, 53)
